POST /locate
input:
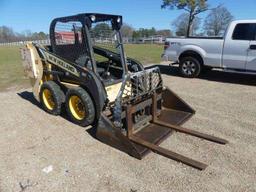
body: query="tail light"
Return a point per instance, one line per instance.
(166, 45)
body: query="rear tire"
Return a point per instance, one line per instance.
(190, 67)
(51, 97)
(80, 107)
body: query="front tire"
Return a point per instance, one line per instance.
(80, 107)
(51, 97)
(190, 67)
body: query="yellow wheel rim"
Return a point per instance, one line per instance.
(48, 99)
(76, 107)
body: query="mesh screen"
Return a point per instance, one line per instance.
(103, 36)
(139, 84)
(68, 33)
(142, 83)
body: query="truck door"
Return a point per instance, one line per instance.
(251, 58)
(236, 46)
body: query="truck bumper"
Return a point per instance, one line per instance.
(165, 57)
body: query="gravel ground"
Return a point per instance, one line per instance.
(40, 152)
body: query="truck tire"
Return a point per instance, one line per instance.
(190, 67)
(51, 97)
(80, 107)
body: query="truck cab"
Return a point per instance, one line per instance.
(239, 50)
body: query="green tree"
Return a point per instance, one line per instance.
(38, 36)
(101, 30)
(193, 7)
(42, 35)
(217, 21)
(142, 32)
(164, 33)
(135, 35)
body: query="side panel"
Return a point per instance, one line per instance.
(235, 54)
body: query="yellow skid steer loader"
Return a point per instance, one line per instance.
(85, 71)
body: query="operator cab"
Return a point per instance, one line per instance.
(94, 42)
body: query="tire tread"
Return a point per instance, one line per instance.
(58, 95)
(90, 109)
(196, 61)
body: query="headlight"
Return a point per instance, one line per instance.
(118, 20)
(93, 18)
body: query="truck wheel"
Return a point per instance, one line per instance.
(80, 107)
(51, 97)
(190, 67)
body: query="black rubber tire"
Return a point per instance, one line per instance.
(87, 103)
(192, 72)
(58, 97)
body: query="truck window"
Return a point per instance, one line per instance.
(244, 31)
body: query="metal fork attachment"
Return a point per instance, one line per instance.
(144, 114)
(156, 121)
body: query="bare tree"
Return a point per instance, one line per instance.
(6, 34)
(181, 25)
(193, 7)
(217, 21)
(127, 30)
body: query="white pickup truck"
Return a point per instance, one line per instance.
(236, 52)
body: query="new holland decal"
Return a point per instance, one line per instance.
(62, 64)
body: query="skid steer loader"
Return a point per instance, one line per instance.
(86, 72)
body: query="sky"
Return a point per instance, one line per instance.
(36, 15)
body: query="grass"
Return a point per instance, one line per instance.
(11, 68)
(12, 74)
(145, 53)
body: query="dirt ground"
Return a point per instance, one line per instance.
(40, 152)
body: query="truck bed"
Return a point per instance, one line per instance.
(210, 48)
